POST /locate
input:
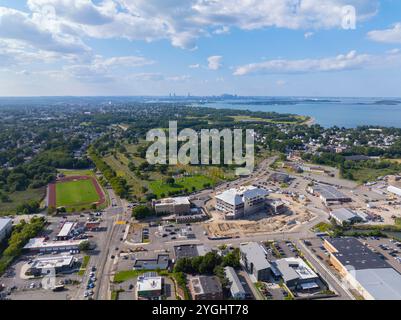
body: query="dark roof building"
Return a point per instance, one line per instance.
(364, 269)
(206, 288)
(160, 262)
(351, 252)
(280, 177)
(190, 251)
(329, 194)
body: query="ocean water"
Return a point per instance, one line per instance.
(341, 112)
(328, 112)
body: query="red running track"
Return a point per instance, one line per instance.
(52, 189)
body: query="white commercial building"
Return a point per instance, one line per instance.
(238, 203)
(149, 287)
(5, 228)
(178, 206)
(44, 265)
(344, 215)
(66, 230)
(395, 190)
(295, 273)
(41, 245)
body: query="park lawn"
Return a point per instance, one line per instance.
(76, 193)
(198, 182)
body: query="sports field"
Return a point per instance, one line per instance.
(76, 193)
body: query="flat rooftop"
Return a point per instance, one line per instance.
(236, 196)
(294, 268)
(382, 284)
(206, 284)
(344, 214)
(255, 254)
(330, 192)
(40, 243)
(4, 222)
(189, 251)
(161, 261)
(52, 262)
(354, 255)
(66, 229)
(149, 284)
(176, 201)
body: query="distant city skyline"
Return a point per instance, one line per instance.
(201, 48)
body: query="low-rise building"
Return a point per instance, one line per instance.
(295, 273)
(178, 206)
(280, 177)
(190, 251)
(395, 190)
(6, 226)
(345, 216)
(205, 288)
(254, 260)
(44, 265)
(149, 286)
(241, 202)
(364, 269)
(41, 245)
(236, 288)
(277, 206)
(66, 231)
(329, 194)
(161, 261)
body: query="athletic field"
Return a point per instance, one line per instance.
(75, 192)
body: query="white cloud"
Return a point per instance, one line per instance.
(19, 26)
(222, 30)
(181, 78)
(214, 62)
(194, 66)
(157, 77)
(182, 22)
(392, 35)
(101, 69)
(281, 83)
(349, 61)
(308, 35)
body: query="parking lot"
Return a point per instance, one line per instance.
(390, 250)
(16, 285)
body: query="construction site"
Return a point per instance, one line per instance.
(296, 214)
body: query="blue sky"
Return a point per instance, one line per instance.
(201, 47)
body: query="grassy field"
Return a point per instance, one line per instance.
(154, 180)
(369, 174)
(77, 172)
(159, 187)
(323, 227)
(18, 197)
(76, 193)
(84, 265)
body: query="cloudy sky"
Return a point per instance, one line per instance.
(201, 47)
